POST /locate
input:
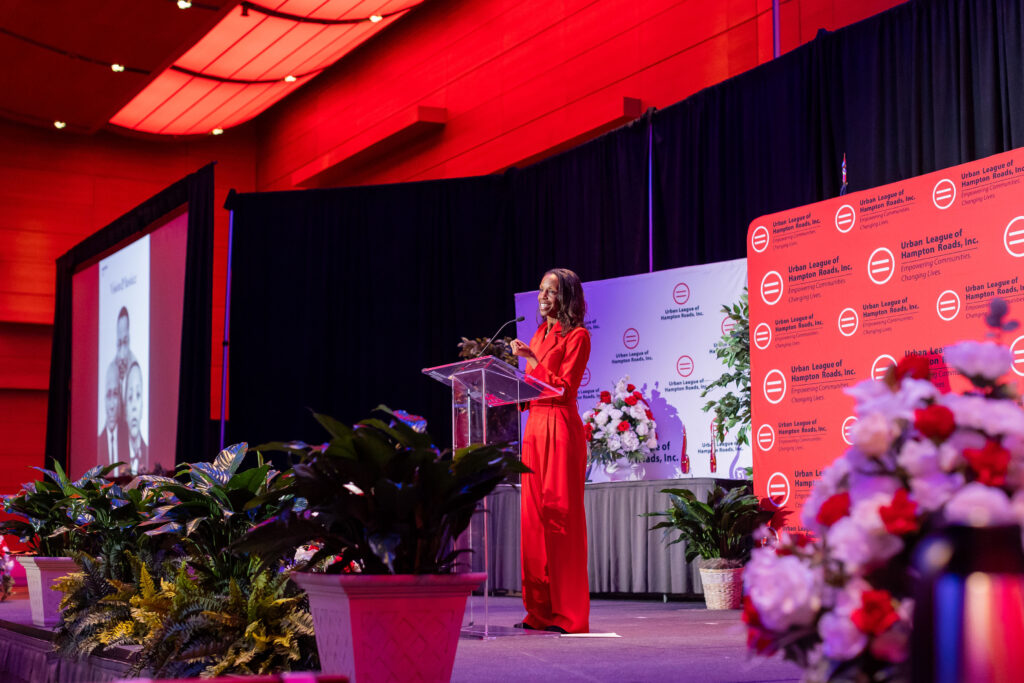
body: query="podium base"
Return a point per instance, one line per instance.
(485, 632)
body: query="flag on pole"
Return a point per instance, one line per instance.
(842, 190)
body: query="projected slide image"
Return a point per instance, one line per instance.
(122, 368)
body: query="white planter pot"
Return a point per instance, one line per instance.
(41, 573)
(388, 628)
(723, 588)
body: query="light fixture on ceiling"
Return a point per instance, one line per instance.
(376, 17)
(290, 79)
(117, 68)
(217, 131)
(184, 4)
(59, 125)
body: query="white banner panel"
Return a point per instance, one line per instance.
(661, 329)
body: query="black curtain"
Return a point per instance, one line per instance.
(195, 192)
(926, 85)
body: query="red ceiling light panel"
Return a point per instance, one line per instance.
(239, 68)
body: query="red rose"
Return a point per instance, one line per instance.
(900, 517)
(935, 421)
(606, 397)
(638, 395)
(650, 415)
(834, 509)
(915, 366)
(758, 638)
(630, 400)
(623, 426)
(990, 463)
(876, 613)
(630, 388)
(588, 431)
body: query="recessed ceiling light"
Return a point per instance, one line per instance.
(217, 131)
(376, 17)
(59, 124)
(290, 79)
(184, 4)
(117, 68)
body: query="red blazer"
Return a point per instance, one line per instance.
(561, 361)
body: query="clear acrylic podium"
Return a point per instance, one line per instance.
(486, 393)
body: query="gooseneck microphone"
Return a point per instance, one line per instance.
(513, 320)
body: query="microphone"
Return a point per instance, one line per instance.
(513, 320)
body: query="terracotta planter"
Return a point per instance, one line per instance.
(41, 573)
(723, 588)
(388, 628)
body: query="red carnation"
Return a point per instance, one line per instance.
(758, 638)
(630, 400)
(650, 415)
(606, 397)
(990, 463)
(914, 366)
(638, 395)
(588, 431)
(623, 426)
(900, 517)
(876, 613)
(935, 421)
(834, 509)
(630, 387)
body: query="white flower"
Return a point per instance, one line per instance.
(614, 444)
(641, 429)
(630, 442)
(841, 639)
(602, 418)
(589, 415)
(874, 433)
(980, 359)
(979, 505)
(786, 591)
(652, 441)
(934, 490)
(918, 458)
(638, 412)
(859, 546)
(615, 414)
(992, 416)
(877, 397)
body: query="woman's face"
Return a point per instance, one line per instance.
(547, 297)
(133, 401)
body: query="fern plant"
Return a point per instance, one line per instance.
(733, 350)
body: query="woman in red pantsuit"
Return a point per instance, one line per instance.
(554, 529)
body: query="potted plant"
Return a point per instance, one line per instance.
(719, 531)
(381, 506)
(51, 528)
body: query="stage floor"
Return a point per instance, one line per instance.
(673, 641)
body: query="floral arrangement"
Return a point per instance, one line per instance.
(621, 425)
(922, 458)
(500, 347)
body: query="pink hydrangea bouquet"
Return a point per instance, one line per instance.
(922, 457)
(621, 425)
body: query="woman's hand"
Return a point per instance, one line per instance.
(523, 350)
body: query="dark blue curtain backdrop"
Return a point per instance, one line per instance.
(339, 297)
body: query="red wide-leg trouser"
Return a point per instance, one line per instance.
(554, 526)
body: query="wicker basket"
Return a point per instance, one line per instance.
(723, 588)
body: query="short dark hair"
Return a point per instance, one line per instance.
(572, 307)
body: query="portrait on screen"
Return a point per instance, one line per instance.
(123, 358)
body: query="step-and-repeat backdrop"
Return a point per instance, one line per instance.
(843, 289)
(661, 329)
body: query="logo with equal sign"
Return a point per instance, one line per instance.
(630, 338)
(765, 437)
(771, 287)
(774, 386)
(681, 293)
(881, 366)
(728, 324)
(759, 239)
(778, 489)
(848, 322)
(881, 265)
(1013, 237)
(586, 377)
(948, 305)
(944, 194)
(846, 217)
(684, 366)
(762, 336)
(848, 429)
(1017, 349)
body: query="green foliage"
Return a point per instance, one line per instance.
(733, 409)
(379, 495)
(720, 528)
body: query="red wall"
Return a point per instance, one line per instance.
(55, 190)
(517, 79)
